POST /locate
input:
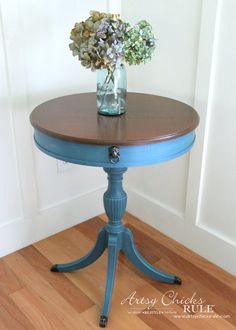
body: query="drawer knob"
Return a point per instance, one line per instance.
(114, 154)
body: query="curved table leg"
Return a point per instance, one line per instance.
(113, 249)
(133, 255)
(116, 237)
(88, 259)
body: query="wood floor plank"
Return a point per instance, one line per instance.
(9, 282)
(31, 297)
(160, 322)
(7, 321)
(55, 302)
(88, 280)
(36, 310)
(61, 284)
(11, 316)
(91, 227)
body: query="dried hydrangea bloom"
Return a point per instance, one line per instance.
(102, 41)
(139, 43)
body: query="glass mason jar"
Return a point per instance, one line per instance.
(111, 91)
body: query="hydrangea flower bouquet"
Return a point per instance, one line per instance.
(103, 42)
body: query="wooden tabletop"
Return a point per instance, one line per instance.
(149, 119)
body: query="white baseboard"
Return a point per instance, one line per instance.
(212, 247)
(153, 212)
(22, 232)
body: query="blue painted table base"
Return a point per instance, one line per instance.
(116, 237)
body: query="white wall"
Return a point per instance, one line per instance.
(172, 72)
(35, 65)
(218, 208)
(192, 199)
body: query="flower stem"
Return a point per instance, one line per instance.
(105, 86)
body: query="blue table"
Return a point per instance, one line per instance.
(154, 130)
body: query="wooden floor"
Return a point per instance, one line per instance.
(31, 297)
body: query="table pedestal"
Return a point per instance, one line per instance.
(116, 237)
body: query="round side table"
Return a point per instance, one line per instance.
(154, 129)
